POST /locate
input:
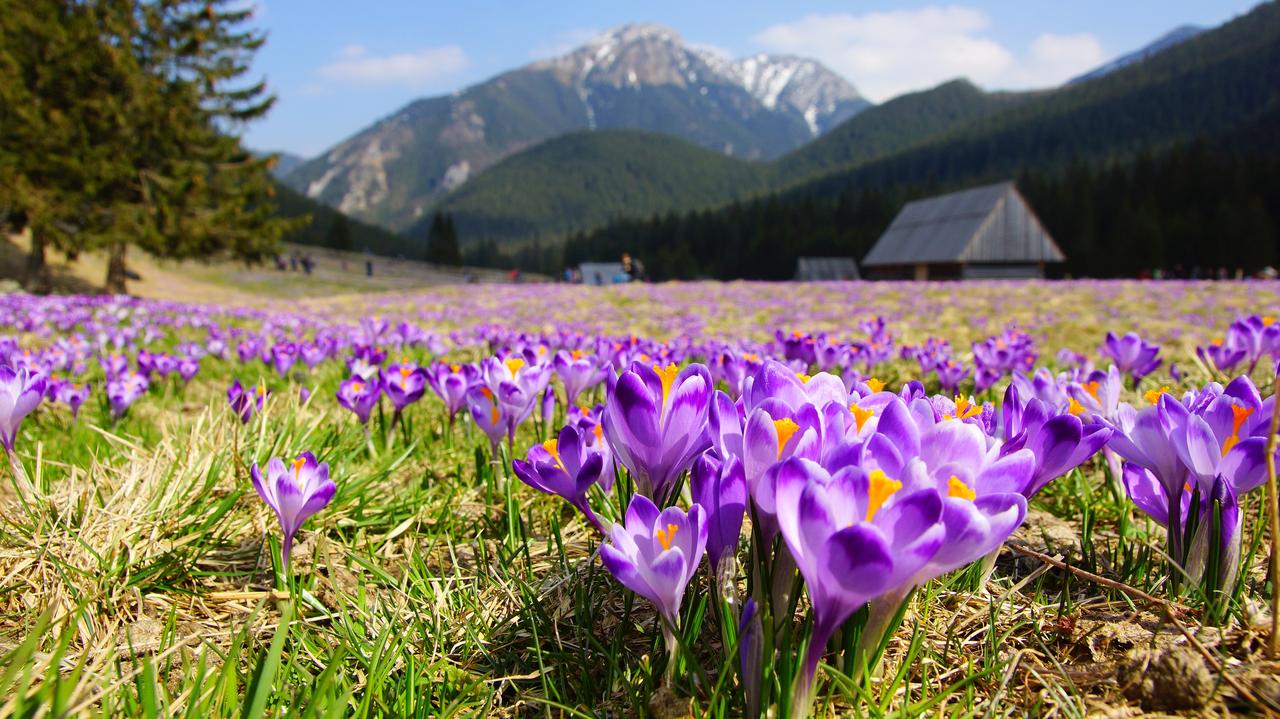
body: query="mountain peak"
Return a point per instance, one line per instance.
(637, 32)
(641, 76)
(650, 54)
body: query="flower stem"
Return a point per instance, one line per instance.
(1273, 508)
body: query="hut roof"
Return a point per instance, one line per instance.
(826, 268)
(991, 224)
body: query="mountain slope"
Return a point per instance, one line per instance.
(321, 231)
(894, 126)
(497, 207)
(286, 162)
(1160, 44)
(637, 77)
(1204, 86)
(1207, 110)
(584, 179)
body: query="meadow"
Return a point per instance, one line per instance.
(698, 499)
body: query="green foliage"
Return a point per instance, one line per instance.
(121, 126)
(442, 241)
(896, 125)
(585, 179)
(1208, 86)
(1191, 209)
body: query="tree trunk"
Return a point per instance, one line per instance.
(115, 284)
(37, 280)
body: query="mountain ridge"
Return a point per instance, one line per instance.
(640, 77)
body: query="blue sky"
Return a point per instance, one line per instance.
(337, 67)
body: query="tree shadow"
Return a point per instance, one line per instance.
(13, 266)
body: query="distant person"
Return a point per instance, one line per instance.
(293, 262)
(280, 265)
(368, 268)
(307, 264)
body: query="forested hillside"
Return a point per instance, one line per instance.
(1149, 166)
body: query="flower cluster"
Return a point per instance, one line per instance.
(864, 492)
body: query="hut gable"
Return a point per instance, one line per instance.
(989, 225)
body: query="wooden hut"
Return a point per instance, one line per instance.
(984, 233)
(816, 269)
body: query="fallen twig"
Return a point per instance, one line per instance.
(1171, 610)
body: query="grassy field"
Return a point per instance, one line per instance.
(140, 571)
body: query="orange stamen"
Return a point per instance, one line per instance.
(880, 490)
(665, 537)
(668, 376)
(860, 415)
(785, 428)
(957, 488)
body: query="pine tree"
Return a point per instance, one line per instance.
(119, 124)
(60, 98)
(442, 241)
(339, 235)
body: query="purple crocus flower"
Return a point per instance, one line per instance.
(1133, 355)
(245, 401)
(1059, 441)
(721, 489)
(579, 372)
(188, 367)
(487, 412)
(854, 535)
(1221, 356)
(1147, 494)
(450, 383)
(360, 395)
(1222, 500)
(1226, 439)
(565, 466)
(164, 364)
(74, 395)
(283, 355)
(313, 354)
(20, 393)
(124, 390)
(655, 420)
(113, 365)
(997, 356)
(950, 374)
(295, 493)
(981, 491)
(548, 406)
(404, 383)
(655, 554)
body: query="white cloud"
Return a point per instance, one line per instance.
(563, 43)
(888, 53)
(1054, 58)
(414, 69)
